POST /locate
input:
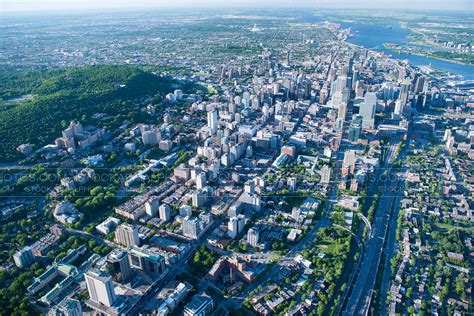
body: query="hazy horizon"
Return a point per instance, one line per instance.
(61, 5)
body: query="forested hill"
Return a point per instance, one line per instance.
(61, 95)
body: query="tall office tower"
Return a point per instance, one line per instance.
(426, 97)
(356, 119)
(388, 90)
(322, 96)
(212, 121)
(359, 89)
(345, 70)
(233, 227)
(419, 85)
(447, 134)
(354, 132)
(339, 125)
(67, 307)
(100, 287)
(127, 235)
(355, 77)
(339, 91)
(201, 181)
(232, 107)
(332, 74)
(342, 111)
(252, 237)
(365, 53)
(398, 108)
(355, 128)
(118, 265)
(403, 96)
(340, 83)
(24, 257)
(414, 80)
(151, 206)
(165, 212)
(367, 110)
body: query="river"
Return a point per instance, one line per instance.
(373, 36)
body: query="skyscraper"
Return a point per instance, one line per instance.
(419, 85)
(398, 108)
(100, 287)
(355, 128)
(212, 121)
(342, 111)
(355, 77)
(339, 91)
(233, 227)
(403, 96)
(367, 110)
(118, 265)
(340, 84)
(127, 235)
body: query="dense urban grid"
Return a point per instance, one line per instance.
(233, 163)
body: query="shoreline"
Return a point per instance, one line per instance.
(389, 47)
(360, 46)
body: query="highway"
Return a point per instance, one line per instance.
(363, 285)
(389, 253)
(391, 244)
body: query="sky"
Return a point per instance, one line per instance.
(48, 5)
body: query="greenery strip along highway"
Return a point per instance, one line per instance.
(361, 293)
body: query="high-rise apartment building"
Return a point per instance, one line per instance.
(252, 237)
(127, 235)
(100, 287)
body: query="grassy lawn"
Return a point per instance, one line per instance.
(446, 228)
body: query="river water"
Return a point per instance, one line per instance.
(373, 36)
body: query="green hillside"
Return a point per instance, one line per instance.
(68, 94)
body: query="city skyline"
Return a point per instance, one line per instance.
(263, 160)
(59, 5)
